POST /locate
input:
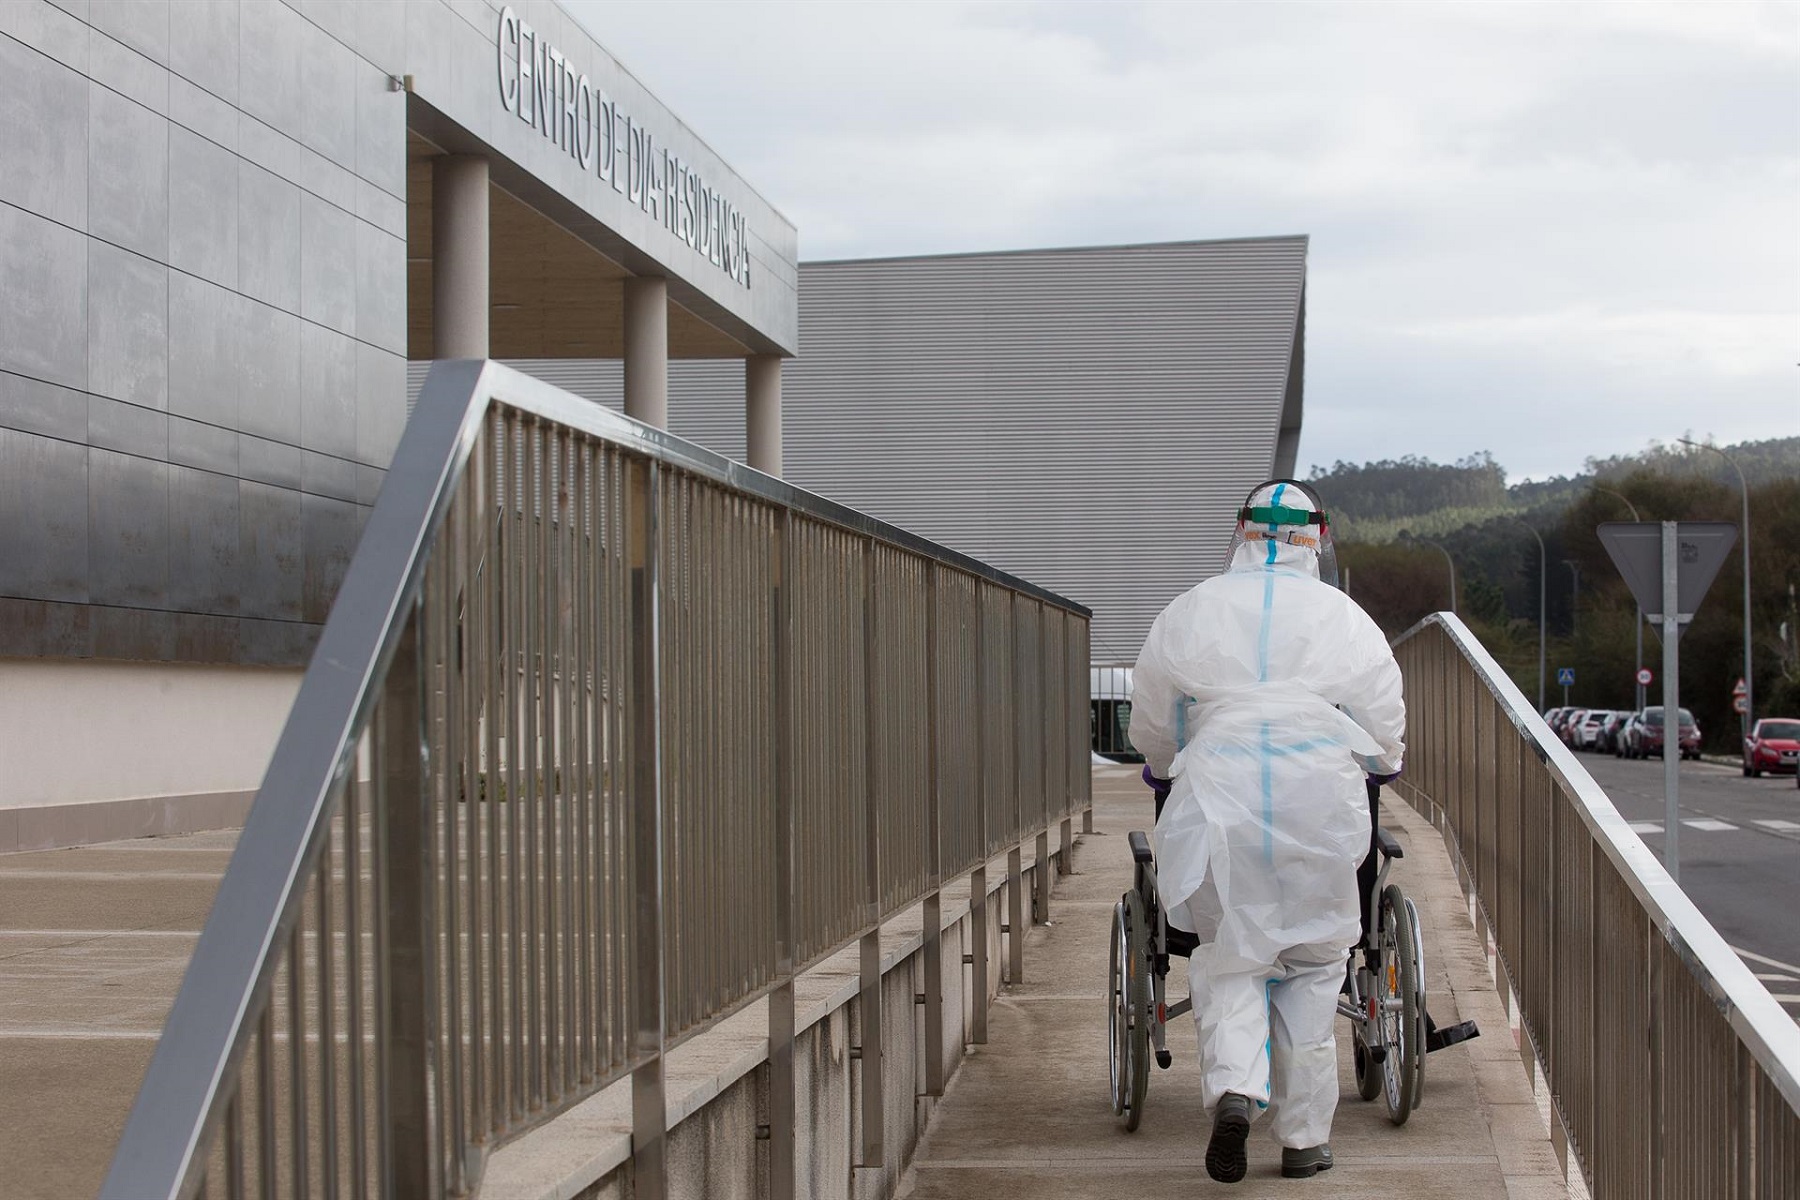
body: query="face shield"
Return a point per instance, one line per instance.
(1284, 518)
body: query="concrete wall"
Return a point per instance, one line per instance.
(101, 750)
(716, 1153)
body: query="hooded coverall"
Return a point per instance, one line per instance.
(1266, 695)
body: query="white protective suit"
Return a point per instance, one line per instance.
(1265, 695)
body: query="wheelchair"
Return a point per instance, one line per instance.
(1383, 998)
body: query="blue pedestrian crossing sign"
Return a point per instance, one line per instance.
(1565, 677)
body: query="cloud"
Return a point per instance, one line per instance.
(1507, 201)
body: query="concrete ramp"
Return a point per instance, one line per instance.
(1028, 1114)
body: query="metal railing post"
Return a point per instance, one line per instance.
(407, 881)
(934, 866)
(978, 957)
(649, 1114)
(1015, 870)
(1040, 905)
(782, 1182)
(978, 909)
(874, 1117)
(1015, 914)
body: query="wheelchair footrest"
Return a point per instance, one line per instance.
(1440, 1039)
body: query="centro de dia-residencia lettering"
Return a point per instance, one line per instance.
(542, 87)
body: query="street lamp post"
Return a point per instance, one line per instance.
(1543, 570)
(1638, 608)
(1744, 488)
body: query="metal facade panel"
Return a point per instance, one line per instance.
(1090, 418)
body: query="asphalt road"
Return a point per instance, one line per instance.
(1740, 854)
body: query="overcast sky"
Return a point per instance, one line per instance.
(1552, 231)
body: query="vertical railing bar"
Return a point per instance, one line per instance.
(532, 756)
(518, 684)
(934, 921)
(550, 829)
(234, 1143)
(585, 663)
(297, 1101)
(873, 1117)
(449, 794)
(649, 1113)
(562, 754)
(408, 875)
(1015, 871)
(553, 831)
(782, 1176)
(477, 768)
(327, 1002)
(353, 970)
(267, 1167)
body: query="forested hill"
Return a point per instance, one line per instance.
(1398, 522)
(1379, 501)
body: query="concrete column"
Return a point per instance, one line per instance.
(647, 350)
(762, 412)
(459, 252)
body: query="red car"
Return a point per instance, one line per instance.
(1773, 745)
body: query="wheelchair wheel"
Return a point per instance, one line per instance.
(1418, 941)
(1368, 1076)
(1128, 1012)
(1402, 1012)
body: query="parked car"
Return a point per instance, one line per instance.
(1773, 745)
(1625, 741)
(1570, 725)
(1608, 742)
(1648, 739)
(1585, 733)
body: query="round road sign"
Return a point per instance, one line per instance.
(1643, 676)
(1740, 706)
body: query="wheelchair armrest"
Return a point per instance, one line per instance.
(1140, 846)
(1384, 841)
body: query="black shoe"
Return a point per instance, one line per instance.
(1304, 1164)
(1225, 1160)
(1438, 1039)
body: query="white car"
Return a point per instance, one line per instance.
(1586, 734)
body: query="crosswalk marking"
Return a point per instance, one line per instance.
(1779, 826)
(1646, 827)
(1771, 977)
(1708, 824)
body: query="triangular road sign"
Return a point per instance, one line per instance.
(1636, 550)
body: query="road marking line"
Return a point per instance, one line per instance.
(1708, 824)
(1780, 826)
(1771, 977)
(1786, 998)
(1646, 826)
(1773, 962)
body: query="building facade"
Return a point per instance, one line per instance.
(1089, 419)
(225, 225)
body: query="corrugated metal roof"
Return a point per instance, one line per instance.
(1089, 419)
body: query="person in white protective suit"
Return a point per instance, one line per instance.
(1261, 700)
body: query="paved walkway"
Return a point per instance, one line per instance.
(1028, 1114)
(93, 944)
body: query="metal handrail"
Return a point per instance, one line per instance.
(546, 746)
(1672, 1070)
